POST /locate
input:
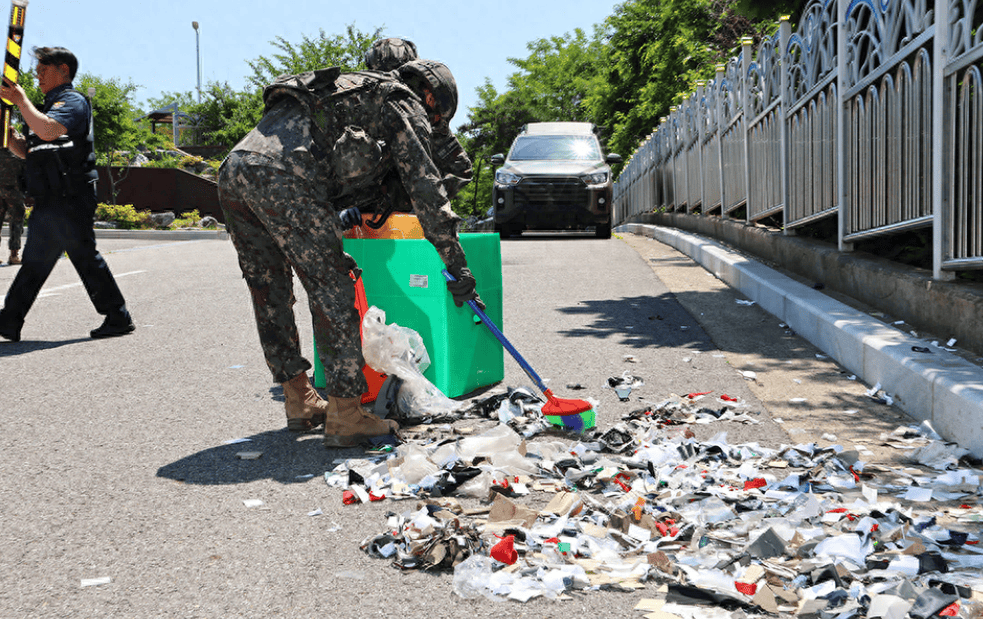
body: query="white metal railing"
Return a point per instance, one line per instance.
(870, 112)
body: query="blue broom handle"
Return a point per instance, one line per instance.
(501, 338)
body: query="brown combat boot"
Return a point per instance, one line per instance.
(14, 257)
(305, 408)
(347, 423)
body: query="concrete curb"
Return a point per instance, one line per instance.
(940, 388)
(160, 235)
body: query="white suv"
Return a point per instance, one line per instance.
(555, 178)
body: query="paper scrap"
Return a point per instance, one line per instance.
(95, 582)
(233, 441)
(252, 502)
(316, 512)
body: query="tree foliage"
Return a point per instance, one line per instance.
(344, 50)
(645, 57)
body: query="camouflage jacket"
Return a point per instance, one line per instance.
(11, 175)
(345, 132)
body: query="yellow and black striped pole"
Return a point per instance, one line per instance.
(11, 62)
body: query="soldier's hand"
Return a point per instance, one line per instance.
(463, 288)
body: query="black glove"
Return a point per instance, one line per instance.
(463, 289)
(350, 217)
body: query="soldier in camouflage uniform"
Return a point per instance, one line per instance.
(390, 54)
(327, 139)
(12, 200)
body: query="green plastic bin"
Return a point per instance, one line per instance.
(403, 278)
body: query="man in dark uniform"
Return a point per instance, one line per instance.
(327, 137)
(12, 200)
(60, 174)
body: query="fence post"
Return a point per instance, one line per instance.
(746, 44)
(718, 83)
(940, 171)
(784, 34)
(841, 115)
(701, 130)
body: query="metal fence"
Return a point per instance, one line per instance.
(870, 112)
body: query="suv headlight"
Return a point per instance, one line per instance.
(597, 178)
(506, 178)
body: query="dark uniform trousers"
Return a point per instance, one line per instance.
(63, 225)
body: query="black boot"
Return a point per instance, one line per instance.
(10, 328)
(114, 325)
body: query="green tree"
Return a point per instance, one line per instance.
(343, 50)
(656, 51)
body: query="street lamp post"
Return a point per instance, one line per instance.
(194, 25)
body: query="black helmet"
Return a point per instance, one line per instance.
(390, 54)
(436, 77)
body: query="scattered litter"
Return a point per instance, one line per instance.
(307, 476)
(830, 437)
(743, 302)
(748, 374)
(852, 377)
(252, 503)
(234, 441)
(819, 356)
(728, 530)
(798, 400)
(95, 582)
(630, 359)
(852, 411)
(684, 327)
(921, 349)
(316, 512)
(236, 367)
(797, 380)
(624, 384)
(898, 322)
(249, 455)
(951, 342)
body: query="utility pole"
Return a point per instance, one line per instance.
(194, 25)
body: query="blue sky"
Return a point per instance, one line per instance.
(153, 44)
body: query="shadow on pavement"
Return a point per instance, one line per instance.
(640, 322)
(287, 457)
(9, 349)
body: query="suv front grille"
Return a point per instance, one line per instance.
(552, 192)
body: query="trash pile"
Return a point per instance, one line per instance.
(721, 530)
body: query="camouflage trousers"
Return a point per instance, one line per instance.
(277, 225)
(15, 207)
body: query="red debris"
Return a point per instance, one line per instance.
(693, 395)
(755, 483)
(727, 398)
(747, 588)
(348, 497)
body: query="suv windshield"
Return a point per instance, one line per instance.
(555, 148)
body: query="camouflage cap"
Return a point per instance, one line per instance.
(438, 79)
(390, 54)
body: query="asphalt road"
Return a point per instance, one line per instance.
(113, 460)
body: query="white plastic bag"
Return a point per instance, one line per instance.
(400, 351)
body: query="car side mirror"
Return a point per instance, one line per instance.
(498, 159)
(613, 158)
